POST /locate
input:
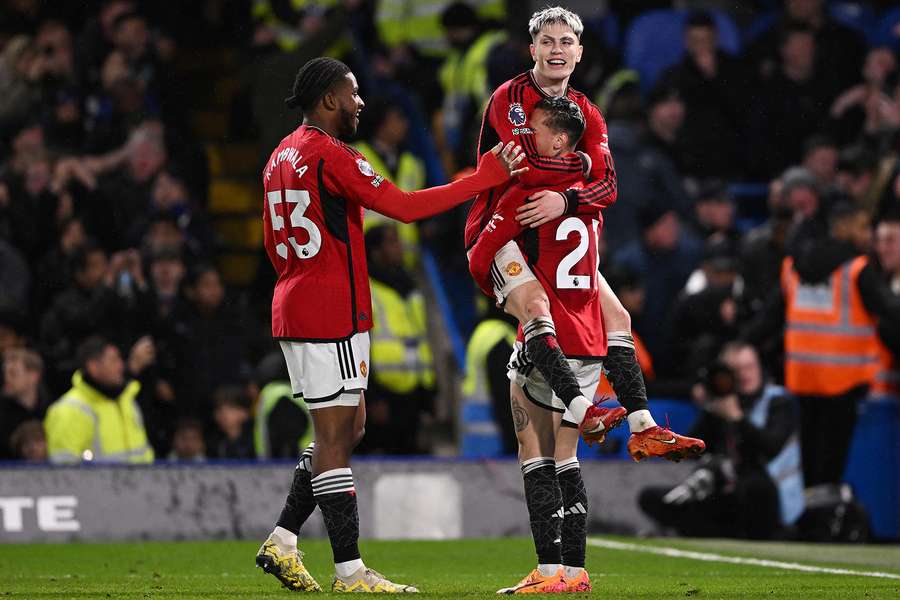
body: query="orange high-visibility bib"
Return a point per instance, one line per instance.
(830, 344)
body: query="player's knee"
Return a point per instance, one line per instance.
(537, 305)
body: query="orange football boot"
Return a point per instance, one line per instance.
(662, 441)
(582, 583)
(535, 583)
(598, 420)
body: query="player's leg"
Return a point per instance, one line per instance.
(624, 373)
(621, 364)
(520, 294)
(535, 433)
(300, 502)
(575, 509)
(279, 555)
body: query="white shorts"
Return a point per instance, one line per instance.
(537, 390)
(509, 270)
(322, 372)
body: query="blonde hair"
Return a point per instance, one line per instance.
(555, 15)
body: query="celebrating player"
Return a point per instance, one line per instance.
(555, 34)
(315, 190)
(547, 434)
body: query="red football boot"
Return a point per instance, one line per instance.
(598, 420)
(662, 441)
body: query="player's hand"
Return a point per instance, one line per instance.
(510, 156)
(542, 207)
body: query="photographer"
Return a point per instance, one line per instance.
(749, 481)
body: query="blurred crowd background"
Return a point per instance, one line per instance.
(132, 135)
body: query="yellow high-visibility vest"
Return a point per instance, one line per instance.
(400, 354)
(85, 425)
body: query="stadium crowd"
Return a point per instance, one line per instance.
(778, 141)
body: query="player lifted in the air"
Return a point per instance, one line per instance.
(556, 49)
(316, 188)
(559, 257)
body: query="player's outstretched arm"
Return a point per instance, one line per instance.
(494, 167)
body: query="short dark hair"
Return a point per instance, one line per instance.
(91, 349)
(816, 141)
(791, 28)
(700, 18)
(315, 79)
(563, 116)
(80, 256)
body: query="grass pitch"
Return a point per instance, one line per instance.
(453, 569)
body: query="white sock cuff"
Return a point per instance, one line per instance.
(538, 326)
(640, 420)
(285, 537)
(577, 407)
(567, 464)
(333, 482)
(539, 462)
(346, 569)
(623, 339)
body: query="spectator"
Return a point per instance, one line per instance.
(791, 105)
(827, 371)
(401, 383)
(98, 419)
(383, 131)
(711, 84)
(29, 443)
(486, 383)
(52, 273)
(820, 157)
(856, 173)
(233, 436)
(704, 316)
(714, 213)
(282, 423)
(868, 109)
(108, 298)
(887, 250)
(840, 49)
(663, 258)
(464, 81)
(748, 483)
(188, 444)
(211, 342)
(24, 398)
(12, 328)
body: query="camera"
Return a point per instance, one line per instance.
(717, 380)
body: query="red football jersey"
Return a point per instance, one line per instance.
(506, 119)
(315, 190)
(563, 255)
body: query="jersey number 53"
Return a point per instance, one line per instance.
(300, 199)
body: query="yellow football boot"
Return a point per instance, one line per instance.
(369, 581)
(287, 567)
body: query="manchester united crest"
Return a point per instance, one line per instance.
(363, 368)
(513, 269)
(516, 114)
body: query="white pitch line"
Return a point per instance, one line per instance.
(735, 560)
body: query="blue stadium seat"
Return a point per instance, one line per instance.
(887, 33)
(759, 26)
(654, 41)
(855, 15)
(873, 468)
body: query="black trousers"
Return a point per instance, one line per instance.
(750, 510)
(826, 431)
